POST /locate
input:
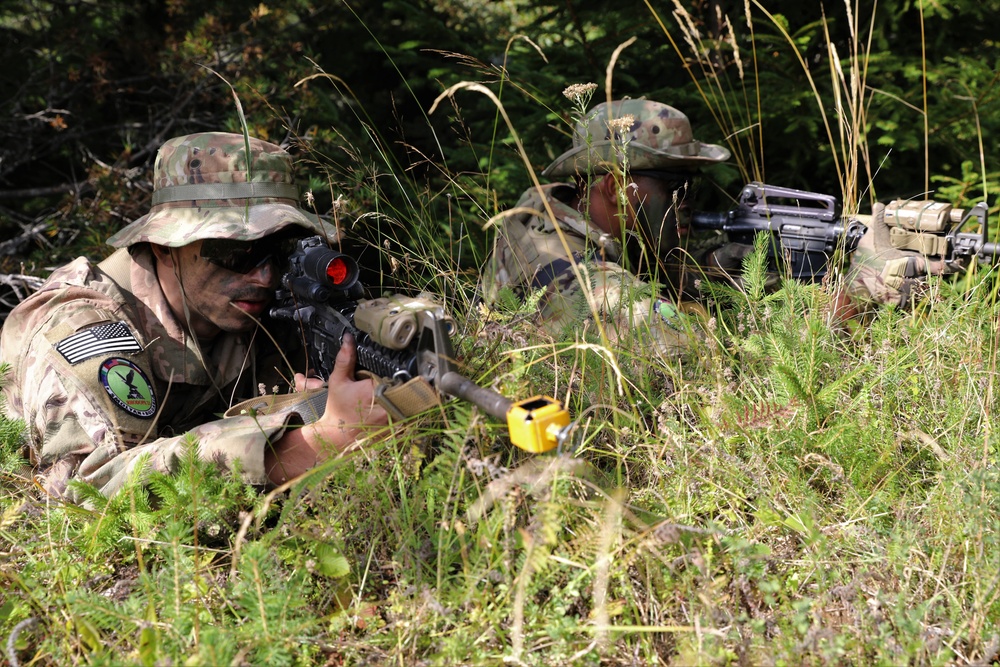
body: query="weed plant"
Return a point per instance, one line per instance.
(791, 492)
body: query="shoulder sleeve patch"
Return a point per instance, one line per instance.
(103, 339)
(128, 386)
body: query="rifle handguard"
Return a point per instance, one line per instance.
(937, 229)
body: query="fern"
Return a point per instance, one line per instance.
(126, 513)
(273, 608)
(755, 267)
(12, 435)
(202, 492)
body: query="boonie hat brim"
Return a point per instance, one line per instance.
(175, 227)
(604, 155)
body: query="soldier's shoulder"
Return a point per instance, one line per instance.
(65, 304)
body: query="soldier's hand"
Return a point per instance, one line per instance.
(350, 403)
(350, 409)
(302, 383)
(728, 258)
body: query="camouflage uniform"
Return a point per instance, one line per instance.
(102, 372)
(576, 264)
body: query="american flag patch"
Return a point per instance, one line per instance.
(115, 337)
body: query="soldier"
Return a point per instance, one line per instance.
(585, 243)
(128, 357)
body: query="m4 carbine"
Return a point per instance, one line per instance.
(806, 227)
(406, 342)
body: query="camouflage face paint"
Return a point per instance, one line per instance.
(219, 299)
(657, 198)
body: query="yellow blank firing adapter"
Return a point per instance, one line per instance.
(537, 424)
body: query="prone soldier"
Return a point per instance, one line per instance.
(122, 359)
(587, 242)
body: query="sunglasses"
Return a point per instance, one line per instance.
(245, 256)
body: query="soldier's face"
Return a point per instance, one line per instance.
(655, 201)
(221, 299)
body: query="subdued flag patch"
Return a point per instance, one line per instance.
(114, 337)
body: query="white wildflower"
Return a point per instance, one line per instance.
(580, 92)
(622, 125)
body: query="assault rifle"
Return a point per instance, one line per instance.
(806, 227)
(937, 229)
(406, 342)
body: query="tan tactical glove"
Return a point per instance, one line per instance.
(881, 273)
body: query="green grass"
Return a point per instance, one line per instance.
(798, 496)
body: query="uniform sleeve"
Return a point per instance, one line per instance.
(241, 438)
(74, 437)
(626, 306)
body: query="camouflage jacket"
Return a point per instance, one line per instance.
(103, 373)
(580, 274)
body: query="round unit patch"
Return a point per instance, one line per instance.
(128, 387)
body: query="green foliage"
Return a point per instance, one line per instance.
(802, 496)
(11, 437)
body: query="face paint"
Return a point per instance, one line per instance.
(219, 299)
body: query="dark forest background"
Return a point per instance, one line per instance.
(91, 89)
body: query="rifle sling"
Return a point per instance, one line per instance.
(544, 275)
(400, 400)
(404, 399)
(309, 405)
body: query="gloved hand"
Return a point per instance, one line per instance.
(883, 274)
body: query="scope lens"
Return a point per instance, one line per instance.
(337, 271)
(330, 268)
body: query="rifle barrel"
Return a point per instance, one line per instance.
(494, 404)
(707, 220)
(990, 250)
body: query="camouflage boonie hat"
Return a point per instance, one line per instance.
(660, 138)
(204, 187)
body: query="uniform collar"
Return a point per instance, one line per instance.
(568, 218)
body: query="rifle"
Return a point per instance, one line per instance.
(937, 229)
(806, 227)
(407, 342)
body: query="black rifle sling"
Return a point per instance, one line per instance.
(545, 275)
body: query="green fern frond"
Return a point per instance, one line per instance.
(87, 494)
(12, 434)
(755, 267)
